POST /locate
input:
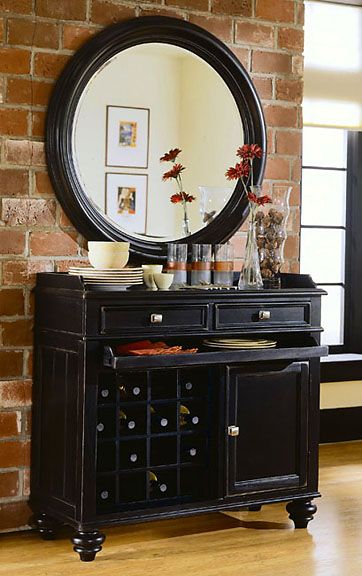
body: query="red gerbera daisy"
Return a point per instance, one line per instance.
(171, 155)
(259, 201)
(240, 170)
(249, 151)
(174, 172)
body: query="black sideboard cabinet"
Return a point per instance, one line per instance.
(127, 439)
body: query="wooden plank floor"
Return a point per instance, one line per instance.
(234, 544)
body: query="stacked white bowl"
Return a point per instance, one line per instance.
(104, 255)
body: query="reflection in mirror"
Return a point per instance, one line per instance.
(145, 101)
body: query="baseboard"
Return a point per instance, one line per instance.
(341, 424)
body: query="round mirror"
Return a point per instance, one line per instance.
(142, 126)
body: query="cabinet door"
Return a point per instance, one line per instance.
(269, 411)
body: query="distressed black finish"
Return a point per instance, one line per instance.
(301, 512)
(110, 443)
(69, 89)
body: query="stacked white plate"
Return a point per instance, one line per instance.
(109, 276)
(239, 343)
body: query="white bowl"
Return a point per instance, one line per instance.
(163, 281)
(148, 271)
(104, 255)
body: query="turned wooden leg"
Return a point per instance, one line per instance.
(254, 507)
(45, 525)
(301, 512)
(87, 544)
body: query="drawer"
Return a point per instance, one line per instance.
(154, 318)
(262, 314)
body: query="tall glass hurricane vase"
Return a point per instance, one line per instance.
(250, 277)
(271, 234)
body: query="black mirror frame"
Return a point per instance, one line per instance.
(69, 88)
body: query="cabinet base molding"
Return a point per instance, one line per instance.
(88, 544)
(301, 512)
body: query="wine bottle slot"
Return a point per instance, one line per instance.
(125, 422)
(126, 392)
(155, 485)
(186, 417)
(157, 419)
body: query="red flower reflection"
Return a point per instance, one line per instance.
(174, 172)
(249, 151)
(171, 155)
(259, 201)
(181, 197)
(240, 170)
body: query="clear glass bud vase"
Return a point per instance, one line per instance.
(250, 277)
(185, 221)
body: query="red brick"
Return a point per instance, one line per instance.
(14, 182)
(291, 39)
(280, 11)
(23, 272)
(2, 89)
(14, 515)
(24, 152)
(42, 185)
(294, 267)
(16, 6)
(13, 122)
(30, 33)
(14, 453)
(29, 212)
(288, 143)
(63, 265)
(264, 87)
(38, 124)
(75, 36)
(11, 363)
(52, 244)
(220, 27)
(270, 141)
(2, 30)
(202, 5)
(61, 9)
(64, 221)
(22, 91)
(9, 484)
(161, 11)
(30, 303)
(12, 242)
(11, 302)
(49, 65)
(18, 333)
(297, 169)
(251, 33)
(277, 168)
(294, 199)
(14, 61)
(291, 247)
(290, 90)
(271, 62)
(233, 7)
(107, 12)
(10, 424)
(282, 116)
(300, 13)
(15, 393)
(243, 55)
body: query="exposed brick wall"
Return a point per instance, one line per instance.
(37, 37)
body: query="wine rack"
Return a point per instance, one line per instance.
(154, 432)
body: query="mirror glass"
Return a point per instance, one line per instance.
(143, 102)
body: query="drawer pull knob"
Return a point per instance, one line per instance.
(264, 315)
(156, 318)
(233, 430)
